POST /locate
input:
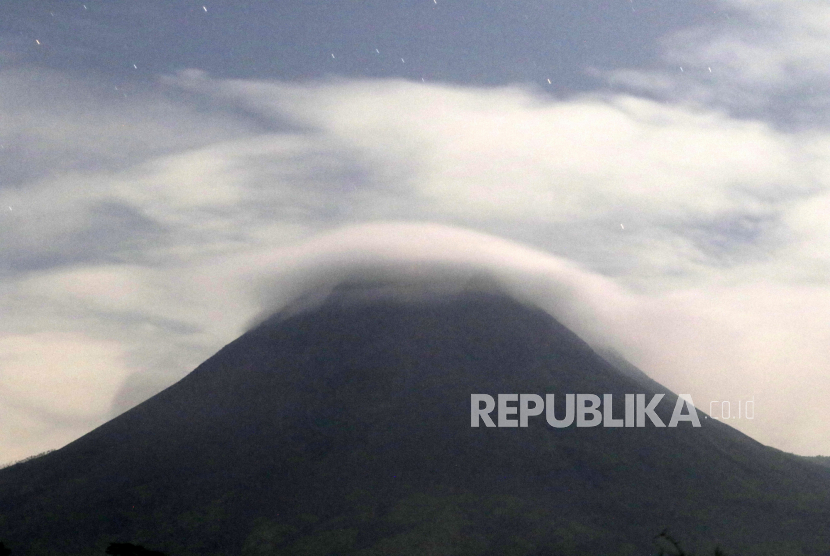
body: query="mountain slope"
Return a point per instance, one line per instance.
(345, 429)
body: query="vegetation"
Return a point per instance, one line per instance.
(664, 539)
(819, 460)
(664, 542)
(30, 458)
(127, 549)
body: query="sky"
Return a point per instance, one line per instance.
(654, 173)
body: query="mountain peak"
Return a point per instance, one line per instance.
(402, 284)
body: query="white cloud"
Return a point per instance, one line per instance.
(758, 341)
(511, 153)
(680, 177)
(23, 434)
(66, 374)
(762, 57)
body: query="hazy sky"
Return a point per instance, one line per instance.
(657, 173)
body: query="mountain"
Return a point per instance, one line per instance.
(344, 427)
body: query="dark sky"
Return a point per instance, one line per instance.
(482, 43)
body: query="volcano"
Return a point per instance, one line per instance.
(344, 428)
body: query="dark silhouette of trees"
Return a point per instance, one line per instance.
(676, 546)
(127, 549)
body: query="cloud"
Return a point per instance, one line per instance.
(766, 58)
(53, 388)
(54, 123)
(678, 178)
(690, 240)
(78, 377)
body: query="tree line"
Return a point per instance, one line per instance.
(664, 542)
